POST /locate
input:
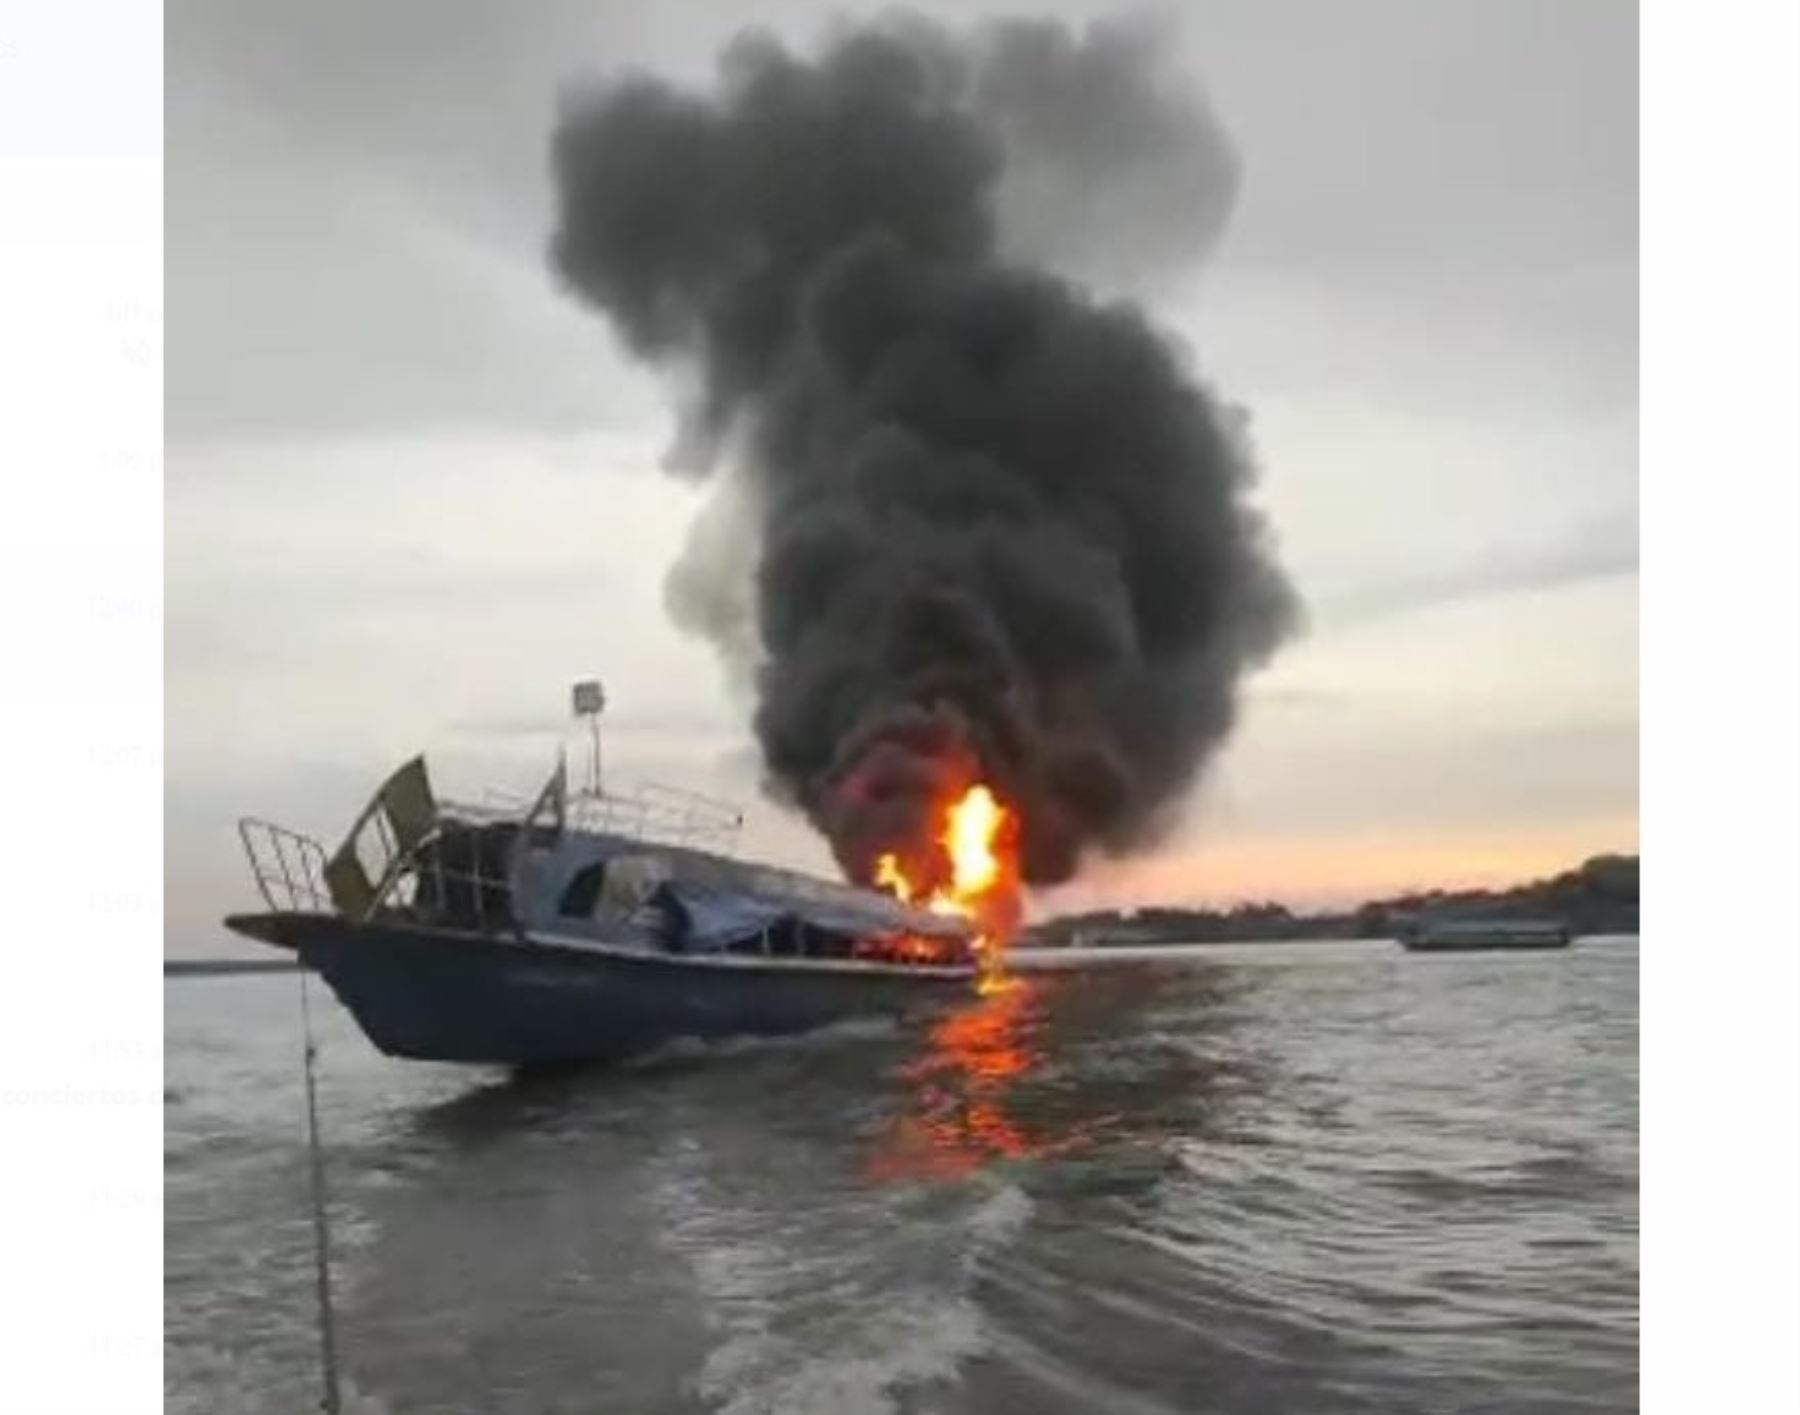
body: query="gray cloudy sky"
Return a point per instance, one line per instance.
(412, 491)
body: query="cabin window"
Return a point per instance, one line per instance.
(583, 892)
(461, 875)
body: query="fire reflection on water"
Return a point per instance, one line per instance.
(961, 1107)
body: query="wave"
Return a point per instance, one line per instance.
(841, 1306)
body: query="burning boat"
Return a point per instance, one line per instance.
(592, 926)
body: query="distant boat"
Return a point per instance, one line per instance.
(586, 927)
(1471, 935)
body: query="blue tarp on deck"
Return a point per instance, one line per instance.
(715, 919)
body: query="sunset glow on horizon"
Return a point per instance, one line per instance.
(1320, 872)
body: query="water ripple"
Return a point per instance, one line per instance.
(1280, 1180)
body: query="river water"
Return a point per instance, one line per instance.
(1276, 1178)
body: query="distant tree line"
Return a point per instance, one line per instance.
(1598, 896)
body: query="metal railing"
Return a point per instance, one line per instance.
(289, 868)
(289, 871)
(662, 814)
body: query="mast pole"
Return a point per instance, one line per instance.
(589, 701)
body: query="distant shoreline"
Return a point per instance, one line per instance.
(1598, 896)
(1096, 946)
(218, 967)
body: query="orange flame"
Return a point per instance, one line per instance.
(889, 876)
(969, 837)
(981, 886)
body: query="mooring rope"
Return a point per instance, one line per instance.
(330, 1402)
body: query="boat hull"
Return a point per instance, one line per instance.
(1486, 943)
(1483, 947)
(435, 994)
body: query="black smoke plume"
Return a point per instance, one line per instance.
(993, 526)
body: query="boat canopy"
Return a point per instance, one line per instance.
(701, 902)
(714, 919)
